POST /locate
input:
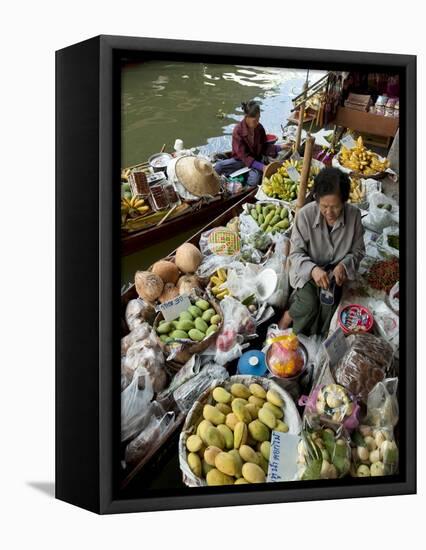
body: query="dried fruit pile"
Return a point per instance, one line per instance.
(384, 274)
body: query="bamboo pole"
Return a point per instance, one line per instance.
(304, 177)
(301, 118)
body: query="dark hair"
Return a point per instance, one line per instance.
(332, 181)
(251, 108)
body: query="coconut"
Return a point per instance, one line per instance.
(168, 271)
(187, 282)
(188, 258)
(169, 293)
(148, 285)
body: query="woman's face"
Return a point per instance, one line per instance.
(331, 207)
(252, 121)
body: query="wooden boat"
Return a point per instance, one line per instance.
(162, 447)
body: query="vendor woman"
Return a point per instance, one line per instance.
(327, 246)
(249, 146)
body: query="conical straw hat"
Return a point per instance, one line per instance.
(197, 176)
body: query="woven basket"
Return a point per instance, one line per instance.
(353, 173)
(195, 415)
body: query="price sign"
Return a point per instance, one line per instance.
(293, 173)
(348, 141)
(283, 457)
(173, 308)
(336, 346)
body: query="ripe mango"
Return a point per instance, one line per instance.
(221, 395)
(257, 391)
(240, 390)
(268, 418)
(257, 401)
(273, 397)
(210, 455)
(259, 431)
(194, 443)
(213, 437)
(253, 410)
(248, 454)
(275, 410)
(213, 415)
(202, 427)
(227, 435)
(240, 411)
(281, 427)
(194, 463)
(253, 473)
(214, 477)
(238, 462)
(231, 421)
(223, 408)
(265, 449)
(241, 481)
(225, 463)
(240, 434)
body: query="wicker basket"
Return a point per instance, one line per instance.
(186, 348)
(353, 173)
(195, 415)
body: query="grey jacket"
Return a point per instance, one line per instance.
(312, 245)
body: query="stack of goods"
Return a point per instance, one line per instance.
(358, 102)
(284, 184)
(386, 106)
(361, 160)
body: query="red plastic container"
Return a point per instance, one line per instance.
(271, 138)
(355, 318)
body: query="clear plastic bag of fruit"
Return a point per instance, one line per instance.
(238, 326)
(383, 212)
(135, 401)
(324, 452)
(141, 331)
(285, 356)
(333, 403)
(157, 429)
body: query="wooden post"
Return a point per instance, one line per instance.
(304, 177)
(301, 118)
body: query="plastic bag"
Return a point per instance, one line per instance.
(278, 263)
(388, 242)
(366, 363)
(210, 375)
(147, 353)
(332, 403)
(324, 453)
(135, 401)
(285, 357)
(191, 368)
(137, 312)
(238, 326)
(382, 404)
(394, 297)
(375, 452)
(383, 212)
(140, 332)
(157, 429)
(220, 241)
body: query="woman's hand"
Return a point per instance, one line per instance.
(339, 273)
(320, 277)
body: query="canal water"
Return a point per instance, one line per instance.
(200, 104)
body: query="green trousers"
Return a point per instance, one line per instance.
(309, 315)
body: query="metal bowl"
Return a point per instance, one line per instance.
(159, 161)
(296, 376)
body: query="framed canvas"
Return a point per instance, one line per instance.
(157, 406)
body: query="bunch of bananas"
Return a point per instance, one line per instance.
(357, 194)
(281, 186)
(217, 280)
(362, 160)
(132, 208)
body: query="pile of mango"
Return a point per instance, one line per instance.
(362, 160)
(271, 218)
(198, 322)
(281, 186)
(232, 442)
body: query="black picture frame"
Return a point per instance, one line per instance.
(88, 273)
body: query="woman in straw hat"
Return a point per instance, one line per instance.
(249, 146)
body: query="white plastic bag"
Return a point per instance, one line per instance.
(383, 212)
(394, 298)
(383, 243)
(135, 401)
(278, 263)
